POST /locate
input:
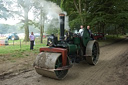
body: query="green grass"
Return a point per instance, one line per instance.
(16, 49)
(14, 52)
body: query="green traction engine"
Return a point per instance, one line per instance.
(55, 60)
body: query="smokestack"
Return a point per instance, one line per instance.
(62, 23)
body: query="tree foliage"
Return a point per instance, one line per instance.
(101, 15)
(4, 11)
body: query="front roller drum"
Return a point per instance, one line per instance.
(50, 65)
(92, 52)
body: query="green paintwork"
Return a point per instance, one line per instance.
(76, 40)
(72, 48)
(86, 37)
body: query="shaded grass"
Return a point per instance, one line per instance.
(109, 39)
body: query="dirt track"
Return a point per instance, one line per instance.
(112, 69)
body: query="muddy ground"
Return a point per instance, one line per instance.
(112, 69)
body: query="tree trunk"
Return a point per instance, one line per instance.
(26, 39)
(41, 26)
(79, 9)
(116, 30)
(103, 27)
(98, 27)
(85, 9)
(41, 34)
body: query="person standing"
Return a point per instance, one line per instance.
(90, 33)
(88, 27)
(32, 39)
(81, 30)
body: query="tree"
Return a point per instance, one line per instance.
(76, 10)
(59, 2)
(25, 5)
(106, 13)
(38, 11)
(100, 14)
(41, 25)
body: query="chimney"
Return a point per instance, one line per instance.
(62, 23)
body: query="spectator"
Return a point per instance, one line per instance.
(32, 39)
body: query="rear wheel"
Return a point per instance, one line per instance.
(92, 53)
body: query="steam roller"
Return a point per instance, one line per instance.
(55, 60)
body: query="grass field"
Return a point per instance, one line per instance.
(14, 52)
(18, 48)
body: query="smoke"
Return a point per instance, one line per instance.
(67, 23)
(52, 11)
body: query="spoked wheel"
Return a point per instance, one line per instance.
(92, 52)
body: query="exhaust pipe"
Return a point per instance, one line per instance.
(62, 23)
